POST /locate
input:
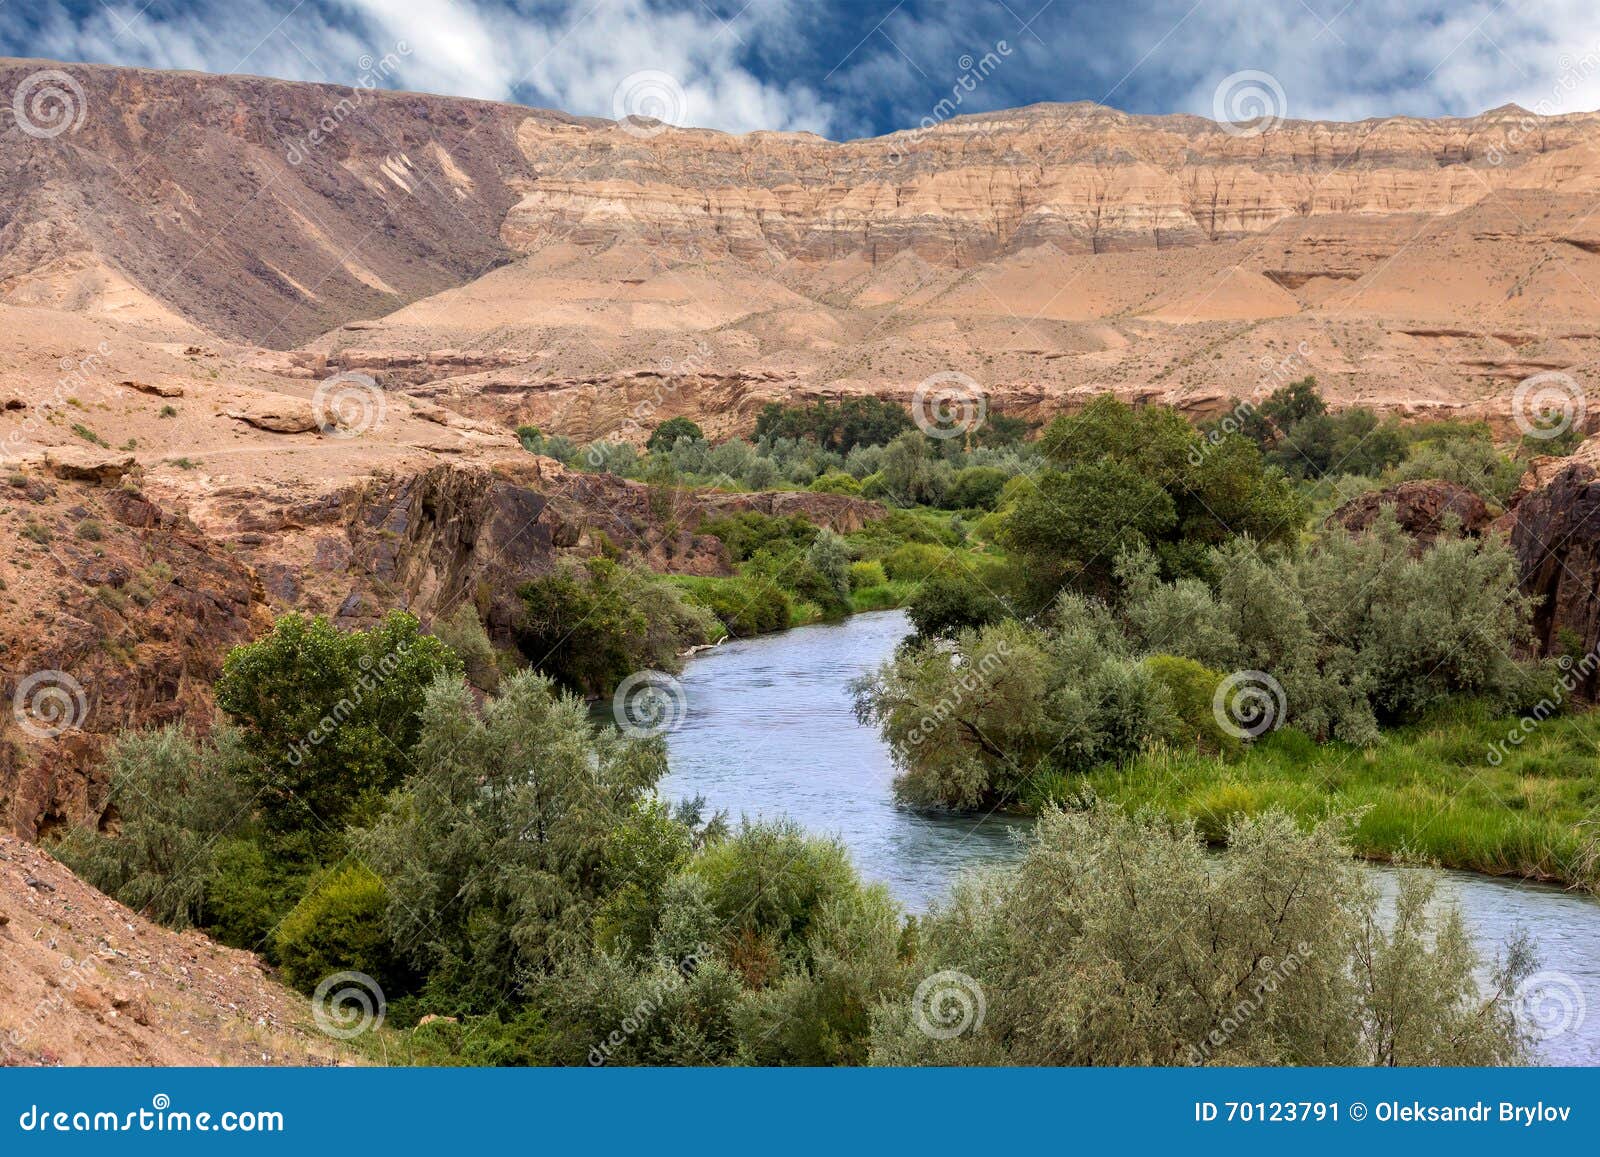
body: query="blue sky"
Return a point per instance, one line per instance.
(850, 68)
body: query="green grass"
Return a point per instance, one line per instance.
(882, 597)
(1427, 791)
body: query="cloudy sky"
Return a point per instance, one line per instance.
(850, 68)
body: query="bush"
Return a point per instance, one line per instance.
(976, 488)
(666, 435)
(915, 561)
(839, 427)
(329, 715)
(951, 601)
(493, 853)
(591, 625)
(1191, 691)
(462, 631)
(973, 722)
(256, 881)
(867, 574)
(170, 798)
(745, 606)
(835, 482)
(340, 926)
(1089, 953)
(750, 531)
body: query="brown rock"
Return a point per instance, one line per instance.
(85, 464)
(1421, 509)
(279, 415)
(159, 389)
(1555, 536)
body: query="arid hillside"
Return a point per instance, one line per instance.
(84, 981)
(526, 265)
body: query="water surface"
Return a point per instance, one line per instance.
(770, 731)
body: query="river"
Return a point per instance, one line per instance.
(769, 730)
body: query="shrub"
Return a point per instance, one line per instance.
(340, 926)
(867, 574)
(972, 722)
(1091, 953)
(840, 427)
(746, 606)
(836, 482)
(526, 787)
(750, 531)
(590, 625)
(89, 530)
(976, 488)
(531, 438)
(329, 715)
(462, 631)
(915, 561)
(170, 798)
(1191, 689)
(951, 601)
(666, 435)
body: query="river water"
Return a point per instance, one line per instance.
(769, 730)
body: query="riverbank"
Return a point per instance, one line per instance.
(1451, 790)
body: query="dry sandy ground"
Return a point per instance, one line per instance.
(84, 981)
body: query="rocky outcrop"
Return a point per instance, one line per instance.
(1555, 535)
(83, 464)
(132, 613)
(278, 415)
(1423, 510)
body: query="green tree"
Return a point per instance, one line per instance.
(1282, 956)
(339, 926)
(170, 798)
(329, 715)
(592, 624)
(666, 435)
(495, 852)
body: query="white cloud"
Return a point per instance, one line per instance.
(570, 54)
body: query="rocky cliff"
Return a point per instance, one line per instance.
(528, 265)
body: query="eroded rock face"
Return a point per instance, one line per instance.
(278, 415)
(1421, 508)
(127, 608)
(1555, 535)
(129, 624)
